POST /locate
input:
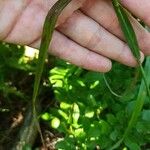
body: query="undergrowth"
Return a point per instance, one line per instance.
(83, 111)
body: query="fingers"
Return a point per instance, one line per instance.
(26, 29)
(25, 24)
(9, 13)
(139, 8)
(66, 49)
(74, 5)
(91, 35)
(103, 12)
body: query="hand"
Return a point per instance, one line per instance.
(87, 34)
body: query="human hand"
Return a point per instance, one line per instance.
(87, 32)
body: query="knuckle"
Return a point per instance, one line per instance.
(93, 40)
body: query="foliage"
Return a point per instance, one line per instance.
(14, 66)
(85, 112)
(17, 69)
(88, 115)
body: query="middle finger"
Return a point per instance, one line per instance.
(91, 35)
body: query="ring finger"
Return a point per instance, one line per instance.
(102, 12)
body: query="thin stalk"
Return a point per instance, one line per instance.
(110, 89)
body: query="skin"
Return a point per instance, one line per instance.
(87, 32)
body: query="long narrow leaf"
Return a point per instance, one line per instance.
(140, 99)
(130, 37)
(138, 105)
(127, 29)
(48, 29)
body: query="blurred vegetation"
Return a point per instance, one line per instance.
(78, 109)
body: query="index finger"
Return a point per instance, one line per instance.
(140, 8)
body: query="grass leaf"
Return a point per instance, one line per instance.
(130, 37)
(48, 30)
